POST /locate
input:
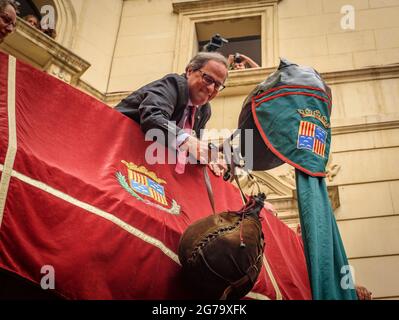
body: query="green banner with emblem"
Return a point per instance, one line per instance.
(291, 111)
(294, 122)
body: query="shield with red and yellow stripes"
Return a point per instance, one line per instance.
(147, 183)
(312, 137)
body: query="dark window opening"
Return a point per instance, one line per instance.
(250, 46)
(243, 35)
(28, 7)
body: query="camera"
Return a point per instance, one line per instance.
(215, 43)
(237, 58)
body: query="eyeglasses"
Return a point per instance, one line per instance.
(209, 80)
(8, 21)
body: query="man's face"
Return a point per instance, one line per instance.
(201, 86)
(8, 20)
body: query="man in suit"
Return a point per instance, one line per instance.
(167, 104)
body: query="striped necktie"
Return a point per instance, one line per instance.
(187, 127)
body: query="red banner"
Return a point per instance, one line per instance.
(78, 195)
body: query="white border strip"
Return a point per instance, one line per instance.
(12, 137)
(273, 280)
(257, 296)
(85, 206)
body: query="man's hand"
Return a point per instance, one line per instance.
(197, 149)
(218, 167)
(201, 152)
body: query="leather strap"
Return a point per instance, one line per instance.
(208, 185)
(243, 197)
(209, 188)
(250, 276)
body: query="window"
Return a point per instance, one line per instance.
(250, 26)
(28, 7)
(243, 35)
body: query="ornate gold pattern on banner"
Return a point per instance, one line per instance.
(314, 114)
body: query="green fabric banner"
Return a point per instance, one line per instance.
(291, 110)
(328, 266)
(294, 122)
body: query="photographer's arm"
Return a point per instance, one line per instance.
(249, 61)
(230, 61)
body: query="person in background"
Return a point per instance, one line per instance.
(48, 27)
(32, 20)
(50, 32)
(239, 61)
(8, 18)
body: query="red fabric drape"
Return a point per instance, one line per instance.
(70, 148)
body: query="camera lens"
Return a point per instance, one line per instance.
(237, 58)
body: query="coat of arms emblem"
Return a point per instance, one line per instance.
(312, 137)
(145, 186)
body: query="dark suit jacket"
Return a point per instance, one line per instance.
(158, 103)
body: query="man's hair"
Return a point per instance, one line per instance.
(202, 58)
(5, 3)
